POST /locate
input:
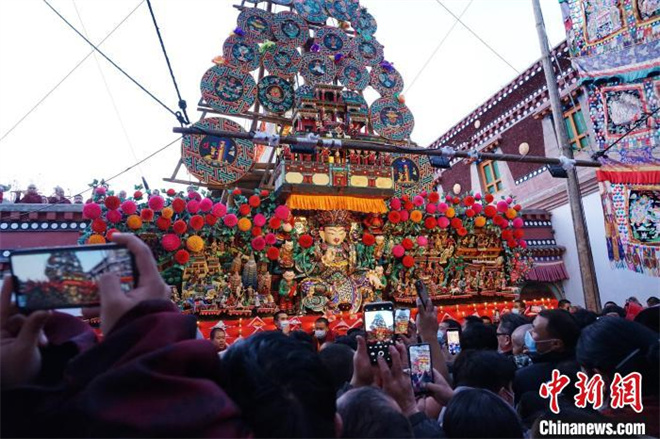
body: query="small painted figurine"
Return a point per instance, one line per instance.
(287, 292)
(286, 255)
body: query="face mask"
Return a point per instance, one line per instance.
(319, 333)
(283, 323)
(530, 343)
(544, 343)
(441, 338)
(515, 311)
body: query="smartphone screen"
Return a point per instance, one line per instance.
(401, 320)
(65, 277)
(453, 341)
(421, 368)
(422, 292)
(379, 325)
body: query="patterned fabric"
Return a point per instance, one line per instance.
(610, 32)
(617, 109)
(631, 205)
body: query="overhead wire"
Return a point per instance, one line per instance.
(635, 125)
(40, 101)
(183, 118)
(477, 36)
(112, 62)
(105, 180)
(107, 88)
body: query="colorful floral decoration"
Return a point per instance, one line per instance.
(220, 256)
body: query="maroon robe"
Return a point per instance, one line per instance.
(149, 377)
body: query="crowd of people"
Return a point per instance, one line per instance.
(153, 374)
(33, 196)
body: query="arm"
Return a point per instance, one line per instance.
(427, 326)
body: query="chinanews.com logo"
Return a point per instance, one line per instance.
(624, 392)
(573, 429)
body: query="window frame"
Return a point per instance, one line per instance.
(569, 118)
(496, 184)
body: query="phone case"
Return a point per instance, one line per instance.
(421, 367)
(76, 277)
(381, 330)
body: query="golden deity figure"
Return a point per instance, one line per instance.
(336, 270)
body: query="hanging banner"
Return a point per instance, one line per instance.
(631, 205)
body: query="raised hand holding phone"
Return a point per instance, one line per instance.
(20, 339)
(401, 321)
(67, 277)
(421, 366)
(379, 325)
(396, 380)
(114, 301)
(453, 341)
(422, 292)
(427, 327)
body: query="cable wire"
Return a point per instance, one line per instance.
(634, 126)
(111, 61)
(39, 102)
(105, 180)
(183, 118)
(107, 89)
(442, 41)
(476, 36)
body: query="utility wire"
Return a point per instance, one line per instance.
(107, 88)
(635, 125)
(111, 61)
(68, 74)
(145, 159)
(183, 118)
(442, 41)
(139, 162)
(476, 36)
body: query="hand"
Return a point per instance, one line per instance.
(114, 302)
(429, 406)
(439, 389)
(20, 339)
(363, 370)
(395, 382)
(410, 337)
(427, 321)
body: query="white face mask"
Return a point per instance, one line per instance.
(283, 323)
(515, 311)
(319, 333)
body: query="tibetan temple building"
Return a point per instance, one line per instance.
(518, 120)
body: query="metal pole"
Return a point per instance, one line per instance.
(587, 269)
(346, 144)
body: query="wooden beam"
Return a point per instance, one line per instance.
(347, 144)
(250, 115)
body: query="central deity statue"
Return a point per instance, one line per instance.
(335, 283)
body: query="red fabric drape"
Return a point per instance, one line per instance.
(629, 177)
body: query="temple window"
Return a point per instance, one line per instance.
(490, 176)
(576, 128)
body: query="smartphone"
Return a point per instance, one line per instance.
(421, 367)
(379, 325)
(65, 277)
(401, 321)
(453, 341)
(422, 292)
